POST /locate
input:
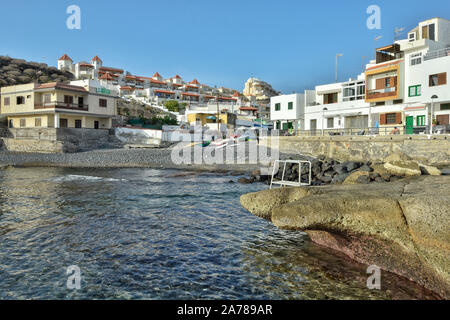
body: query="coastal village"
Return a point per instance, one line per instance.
(404, 90)
(370, 155)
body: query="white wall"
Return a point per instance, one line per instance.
(298, 100)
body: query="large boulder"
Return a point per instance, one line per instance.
(401, 227)
(353, 178)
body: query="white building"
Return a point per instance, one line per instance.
(338, 106)
(287, 111)
(427, 61)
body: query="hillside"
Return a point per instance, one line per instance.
(18, 71)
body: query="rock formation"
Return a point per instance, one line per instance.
(402, 227)
(18, 71)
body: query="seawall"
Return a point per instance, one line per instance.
(434, 150)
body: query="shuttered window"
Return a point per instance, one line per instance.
(391, 118)
(6, 101)
(380, 84)
(277, 106)
(438, 79)
(37, 122)
(103, 103)
(290, 105)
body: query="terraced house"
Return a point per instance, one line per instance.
(57, 105)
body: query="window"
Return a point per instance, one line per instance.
(420, 121)
(382, 103)
(388, 82)
(399, 101)
(415, 91)
(103, 103)
(290, 105)
(277, 106)
(6, 101)
(438, 79)
(78, 124)
(412, 37)
(37, 122)
(68, 99)
(330, 122)
(391, 118)
(330, 98)
(416, 59)
(431, 31)
(63, 123)
(20, 100)
(23, 123)
(47, 98)
(445, 106)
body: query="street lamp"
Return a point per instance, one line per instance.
(323, 120)
(434, 97)
(337, 56)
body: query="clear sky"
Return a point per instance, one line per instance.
(292, 44)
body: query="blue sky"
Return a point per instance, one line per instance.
(291, 44)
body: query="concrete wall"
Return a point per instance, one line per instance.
(71, 140)
(139, 136)
(31, 145)
(434, 151)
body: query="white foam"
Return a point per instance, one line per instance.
(74, 177)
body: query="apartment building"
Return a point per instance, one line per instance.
(287, 111)
(57, 105)
(395, 90)
(338, 106)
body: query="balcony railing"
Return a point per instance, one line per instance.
(382, 93)
(437, 54)
(62, 105)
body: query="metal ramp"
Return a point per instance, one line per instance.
(284, 183)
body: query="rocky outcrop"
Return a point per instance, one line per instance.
(401, 227)
(18, 71)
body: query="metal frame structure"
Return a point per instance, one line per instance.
(284, 183)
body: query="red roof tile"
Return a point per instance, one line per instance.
(165, 91)
(111, 69)
(189, 94)
(157, 81)
(248, 109)
(126, 88)
(62, 86)
(96, 58)
(65, 57)
(157, 75)
(107, 76)
(194, 82)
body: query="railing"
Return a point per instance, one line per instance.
(381, 93)
(381, 131)
(437, 54)
(62, 105)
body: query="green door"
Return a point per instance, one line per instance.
(409, 125)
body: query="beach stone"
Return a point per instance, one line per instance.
(246, 181)
(363, 179)
(354, 176)
(366, 168)
(429, 170)
(403, 168)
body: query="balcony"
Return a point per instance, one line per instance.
(62, 105)
(437, 54)
(381, 93)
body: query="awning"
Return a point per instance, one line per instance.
(329, 91)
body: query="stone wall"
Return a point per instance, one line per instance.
(72, 140)
(32, 145)
(432, 151)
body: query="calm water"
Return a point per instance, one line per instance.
(156, 234)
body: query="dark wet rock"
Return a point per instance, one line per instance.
(246, 180)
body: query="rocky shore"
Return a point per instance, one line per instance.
(402, 227)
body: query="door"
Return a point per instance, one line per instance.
(78, 124)
(96, 125)
(11, 123)
(409, 125)
(313, 126)
(442, 120)
(80, 102)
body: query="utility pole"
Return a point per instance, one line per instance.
(337, 56)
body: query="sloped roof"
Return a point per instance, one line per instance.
(65, 57)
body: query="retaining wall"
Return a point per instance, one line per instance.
(434, 150)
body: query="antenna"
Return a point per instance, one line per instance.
(398, 32)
